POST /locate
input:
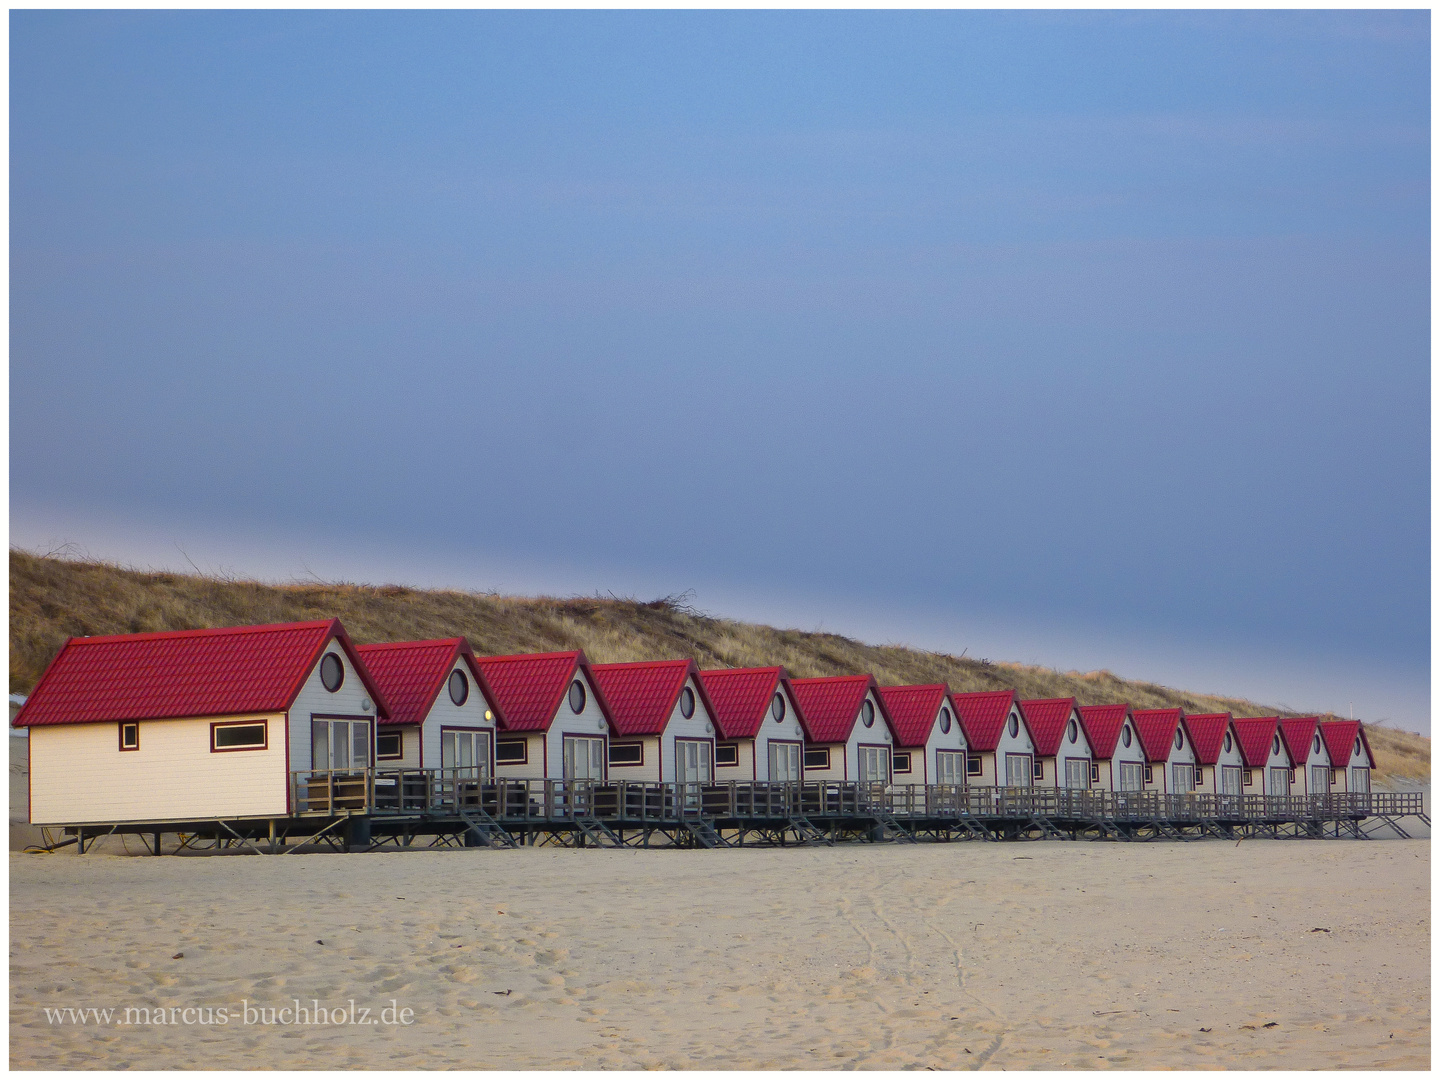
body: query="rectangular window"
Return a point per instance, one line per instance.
(902, 762)
(338, 744)
(582, 758)
(465, 751)
(1279, 782)
(1132, 776)
(1039, 768)
(1229, 780)
(692, 761)
(785, 762)
(129, 736)
(389, 745)
(1094, 772)
(1183, 777)
(949, 767)
(1319, 780)
(874, 764)
(512, 752)
(1360, 781)
(817, 757)
(1149, 775)
(1249, 777)
(1077, 773)
(1019, 770)
(627, 753)
(248, 736)
(974, 765)
(727, 754)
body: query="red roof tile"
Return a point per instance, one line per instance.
(412, 674)
(529, 688)
(1256, 733)
(1102, 727)
(1048, 719)
(642, 696)
(831, 706)
(1157, 730)
(741, 698)
(1298, 732)
(913, 710)
(1207, 732)
(982, 715)
(1339, 736)
(224, 672)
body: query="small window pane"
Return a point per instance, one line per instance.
(320, 744)
(240, 735)
(510, 752)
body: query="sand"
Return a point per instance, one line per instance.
(966, 955)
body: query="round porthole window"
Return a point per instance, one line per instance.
(1315, 746)
(1228, 742)
(777, 707)
(459, 687)
(867, 713)
(1014, 725)
(332, 672)
(577, 696)
(945, 721)
(1357, 745)
(1125, 736)
(1179, 738)
(1074, 731)
(687, 703)
(1275, 745)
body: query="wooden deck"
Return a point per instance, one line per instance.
(379, 807)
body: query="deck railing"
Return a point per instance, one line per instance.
(456, 791)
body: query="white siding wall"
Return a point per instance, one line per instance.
(1312, 758)
(79, 774)
(1226, 758)
(1133, 754)
(1068, 751)
(590, 722)
(1278, 759)
(1359, 759)
(878, 735)
(314, 699)
(476, 713)
(924, 771)
(1019, 743)
(787, 730)
(699, 726)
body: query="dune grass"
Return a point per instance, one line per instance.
(54, 598)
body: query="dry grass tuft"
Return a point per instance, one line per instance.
(54, 598)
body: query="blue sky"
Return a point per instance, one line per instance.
(1092, 339)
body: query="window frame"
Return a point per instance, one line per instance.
(450, 687)
(263, 725)
(896, 756)
(784, 708)
(1149, 774)
(121, 735)
(628, 744)
(340, 682)
(523, 759)
(399, 735)
(687, 703)
(570, 696)
(730, 748)
(806, 763)
(974, 765)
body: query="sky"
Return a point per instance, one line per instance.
(1078, 338)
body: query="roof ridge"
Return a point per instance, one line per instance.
(203, 631)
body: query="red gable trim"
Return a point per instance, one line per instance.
(1256, 735)
(1157, 731)
(1207, 735)
(183, 673)
(414, 673)
(914, 710)
(983, 715)
(643, 695)
(1048, 719)
(741, 698)
(832, 705)
(529, 687)
(1103, 724)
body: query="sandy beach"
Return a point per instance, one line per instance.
(967, 955)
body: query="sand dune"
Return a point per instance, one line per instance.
(1047, 955)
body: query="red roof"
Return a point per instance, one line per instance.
(1298, 732)
(1157, 730)
(1048, 719)
(529, 688)
(1102, 727)
(225, 672)
(642, 696)
(1207, 732)
(913, 711)
(831, 706)
(741, 698)
(412, 674)
(982, 715)
(1256, 733)
(1339, 736)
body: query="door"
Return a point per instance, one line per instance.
(1229, 780)
(583, 758)
(1360, 781)
(784, 762)
(1319, 779)
(1279, 782)
(467, 752)
(692, 761)
(874, 764)
(1184, 779)
(1077, 773)
(339, 745)
(1132, 776)
(1018, 770)
(949, 767)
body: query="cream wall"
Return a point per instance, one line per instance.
(349, 701)
(78, 774)
(649, 768)
(534, 767)
(743, 771)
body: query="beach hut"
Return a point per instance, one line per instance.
(196, 725)
(850, 736)
(930, 744)
(1268, 763)
(1350, 756)
(1063, 754)
(442, 712)
(1169, 750)
(557, 722)
(1309, 753)
(1119, 763)
(1001, 748)
(760, 724)
(1219, 763)
(664, 721)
